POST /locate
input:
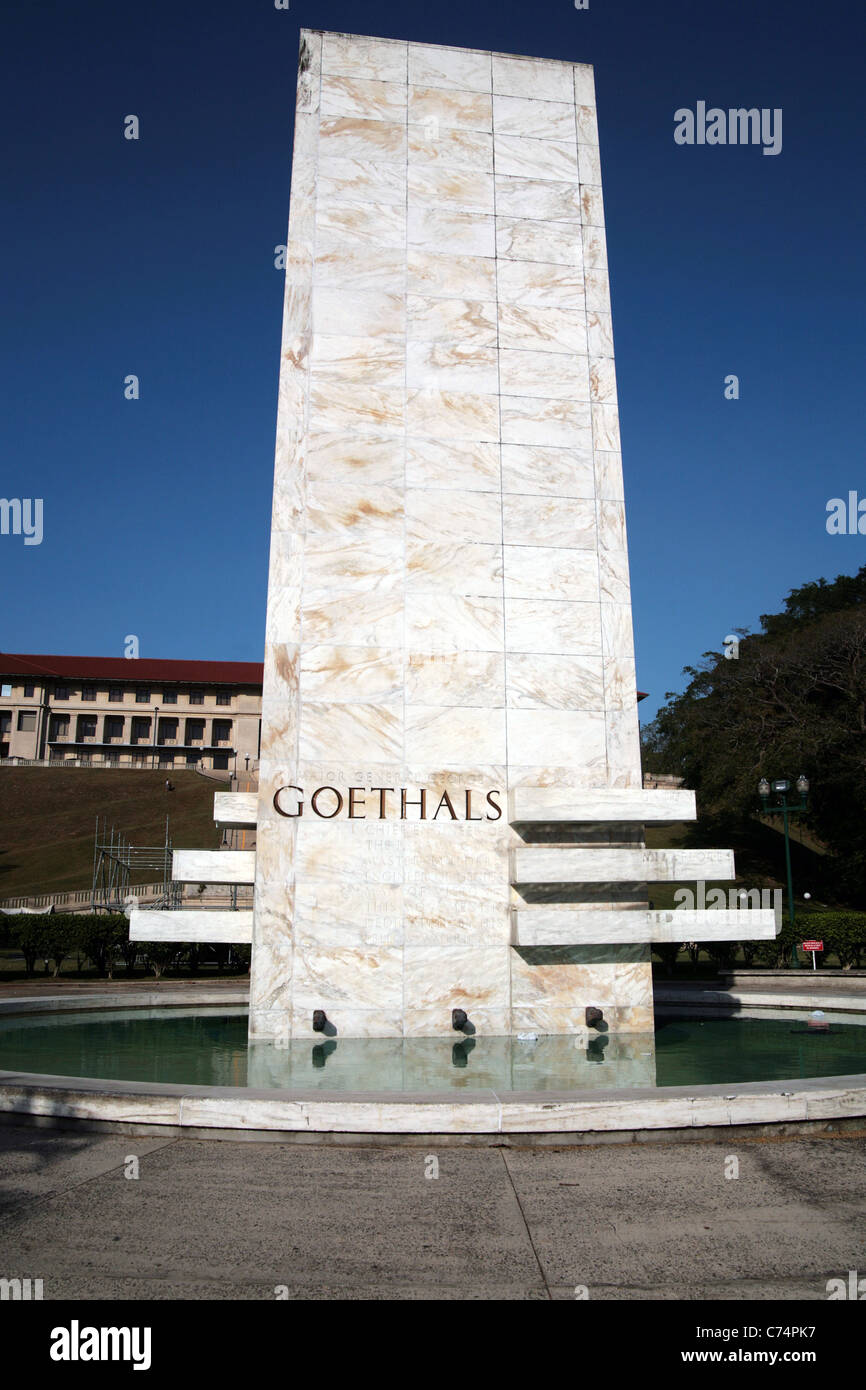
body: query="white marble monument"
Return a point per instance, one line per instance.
(451, 812)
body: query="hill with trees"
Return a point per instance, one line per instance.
(791, 700)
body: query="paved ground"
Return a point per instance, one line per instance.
(212, 1219)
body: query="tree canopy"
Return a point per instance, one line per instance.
(792, 701)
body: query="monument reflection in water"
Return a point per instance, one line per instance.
(430, 1064)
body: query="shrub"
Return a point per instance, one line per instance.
(160, 955)
(667, 952)
(52, 936)
(240, 957)
(26, 933)
(102, 936)
(777, 951)
(768, 954)
(721, 953)
(843, 934)
(60, 936)
(41, 936)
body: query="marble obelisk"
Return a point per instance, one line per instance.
(450, 817)
(450, 813)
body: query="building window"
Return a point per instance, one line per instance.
(5, 689)
(26, 721)
(88, 692)
(61, 692)
(140, 730)
(115, 694)
(142, 697)
(196, 697)
(167, 731)
(59, 726)
(113, 728)
(169, 697)
(139, 759)
(224, 697)
(5, 723)
(195, 731)
(222, 731)
(29, 691)
(86, 726)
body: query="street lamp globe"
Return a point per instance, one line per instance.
(763, 787)
(802, 784)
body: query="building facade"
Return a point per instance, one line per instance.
(113, 711)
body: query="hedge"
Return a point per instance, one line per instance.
(103, 938)
(843, 934)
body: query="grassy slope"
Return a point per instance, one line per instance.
(47, 819)
(759, 857)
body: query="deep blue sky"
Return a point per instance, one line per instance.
(156, 257)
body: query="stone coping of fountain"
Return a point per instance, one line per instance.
(173, 997)
(577, 1116)
(635, 1113)
(716, 1001)
(769, 994)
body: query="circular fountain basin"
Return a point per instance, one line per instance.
(190, 1070)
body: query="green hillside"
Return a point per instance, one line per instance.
(47, 819)
(759, 856)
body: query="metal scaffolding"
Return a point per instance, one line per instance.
(115, 860)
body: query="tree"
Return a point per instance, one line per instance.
(160, 955)
(60, 937)
(667, 952)
(27, 934)
(794, 701)
(101, 936)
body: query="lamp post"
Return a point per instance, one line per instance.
(779, 791)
